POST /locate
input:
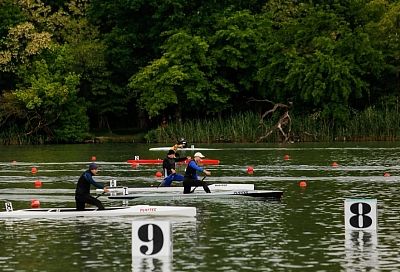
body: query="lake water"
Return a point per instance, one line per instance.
(304, 231)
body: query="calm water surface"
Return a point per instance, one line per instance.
(302, 232)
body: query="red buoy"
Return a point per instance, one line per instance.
(38, 184)
(34, 170)
(386, 174)
(303, 183)
(93, 158)
(134, 165)
(158, 174)
(250, 170)
(335, 164)
(286, 157)
(35, 203)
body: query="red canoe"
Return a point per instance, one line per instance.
(159, 161)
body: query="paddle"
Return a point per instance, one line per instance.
(198, 186)
(103, 193)
(100, 195)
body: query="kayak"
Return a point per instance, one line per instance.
(200, 194)
(213, 187)
(137, 210)
(159, 161)
(191, 148)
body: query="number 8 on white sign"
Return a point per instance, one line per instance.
(360, 214)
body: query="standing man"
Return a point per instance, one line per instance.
(191, 178)
(82, 192)
(169, 164)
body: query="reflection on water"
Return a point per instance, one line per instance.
(361, 251)
(151, 264)
(302, 232)
(81, 244)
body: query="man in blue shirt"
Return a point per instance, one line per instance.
(191, 179)
(82, 192)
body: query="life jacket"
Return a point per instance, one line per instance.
(190, 171)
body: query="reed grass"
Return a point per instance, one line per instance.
(370, 124)
(13, 135)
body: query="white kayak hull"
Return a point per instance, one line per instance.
(166, 148)
(137, 210)
(200, 194)
(177, 189)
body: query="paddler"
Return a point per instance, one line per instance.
(169, 164)
(82, 192)
(181, 143)
(191, 179)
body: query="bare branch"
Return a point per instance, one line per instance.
(284, 121)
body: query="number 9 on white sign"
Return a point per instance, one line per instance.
(151, 239)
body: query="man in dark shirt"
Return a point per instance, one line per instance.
(169, 168)
(82, 192)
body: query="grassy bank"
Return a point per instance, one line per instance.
(368, 125)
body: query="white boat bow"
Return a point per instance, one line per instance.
(200, 194)
(213, 187)
(191, 148)
(137, 210)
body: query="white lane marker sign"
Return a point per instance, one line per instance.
(151, 239)
(360, 214)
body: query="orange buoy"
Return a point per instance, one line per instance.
(386, 174)
(303, 183)
(93, 158)
(335, 164)
(250, 170)
(158, 174)
(35, 203)
(286, 157)
(34, 170)
(38, 184)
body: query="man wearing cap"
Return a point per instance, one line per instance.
(191, 179)
(82, 192)
(169, 168)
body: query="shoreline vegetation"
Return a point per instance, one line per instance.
(210, 71)
(368, 125)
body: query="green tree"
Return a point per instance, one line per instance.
(384, 30)
(177, 77)
(319, 61)
(46, 105)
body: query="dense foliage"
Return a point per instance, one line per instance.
(71, 67)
